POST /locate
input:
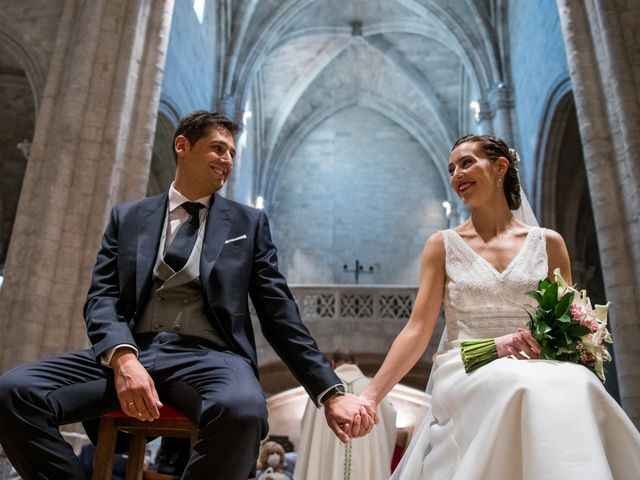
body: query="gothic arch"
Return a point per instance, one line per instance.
(163, 165)
(483, 62)
(478, 73)
(239, 80)
(445, 122)
(556, 113)
(562, 196)
(169, 111)
(13, 41)
(17, 119)
(395, 113)
(435, 22)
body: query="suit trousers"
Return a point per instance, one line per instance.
(215, 388)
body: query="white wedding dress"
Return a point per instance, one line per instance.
(512, 419)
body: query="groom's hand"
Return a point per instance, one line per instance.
(349, 417)
(135, 388)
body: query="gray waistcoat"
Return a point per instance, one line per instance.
(176, 303)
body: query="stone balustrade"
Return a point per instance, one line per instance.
(365, 318)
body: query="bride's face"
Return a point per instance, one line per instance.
(472, 175)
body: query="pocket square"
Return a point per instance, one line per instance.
(241, 237)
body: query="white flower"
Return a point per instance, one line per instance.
(595, 318)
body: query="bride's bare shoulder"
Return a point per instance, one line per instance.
(557, 254)
(435, 239)
(433, 250)
(555, 242)
(553, 236)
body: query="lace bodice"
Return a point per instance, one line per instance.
(479, 301)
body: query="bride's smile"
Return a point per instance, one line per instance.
(463, 186)
(473, 176)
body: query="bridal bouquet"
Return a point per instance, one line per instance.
(564, 324)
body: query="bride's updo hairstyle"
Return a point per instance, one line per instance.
(494, 148)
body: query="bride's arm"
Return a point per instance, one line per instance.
(558, 256)
(413, 339)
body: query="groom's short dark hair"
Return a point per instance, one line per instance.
(198, 124)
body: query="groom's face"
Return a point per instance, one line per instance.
(209, 161)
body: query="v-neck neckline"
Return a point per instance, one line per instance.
(509, 266)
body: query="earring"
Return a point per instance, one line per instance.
(499, 184)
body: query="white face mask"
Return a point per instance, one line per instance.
(273, 460)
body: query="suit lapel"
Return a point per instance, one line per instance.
(218, 224)
(151, 217)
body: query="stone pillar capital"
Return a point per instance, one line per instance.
(501, 96)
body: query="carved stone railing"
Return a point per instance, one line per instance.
(365, 318)
(372, 303)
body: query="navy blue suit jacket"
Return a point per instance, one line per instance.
(229, 273)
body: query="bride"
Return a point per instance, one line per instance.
(514, 418)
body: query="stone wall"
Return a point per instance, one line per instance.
(359, 187)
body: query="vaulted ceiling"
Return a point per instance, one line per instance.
(420, 62)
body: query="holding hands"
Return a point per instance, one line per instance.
(350, 416)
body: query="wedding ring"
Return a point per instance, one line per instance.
(131, 403)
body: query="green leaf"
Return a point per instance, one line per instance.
(542, 328)
(543, 284)
(577, 330)
(550, 297)
(563, 305)
(564, 318)
(537, 296)
(568, 340)
(543, 312)
(531, 310)
(547, 352)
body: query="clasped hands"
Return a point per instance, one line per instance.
(350, 416)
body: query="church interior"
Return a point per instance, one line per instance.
(349, 110)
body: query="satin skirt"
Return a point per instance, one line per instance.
(520, 419)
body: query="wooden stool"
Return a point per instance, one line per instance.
(170, 424)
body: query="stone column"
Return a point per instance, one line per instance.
(607, 108)
(485, 116)
(92, 147)
(501, 98)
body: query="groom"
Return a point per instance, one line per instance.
(168, 317)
